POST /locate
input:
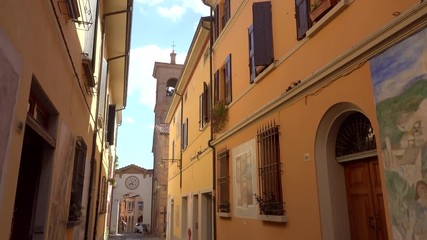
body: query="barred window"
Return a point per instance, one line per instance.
(103, 202)
(75, 210)
(223, 180)
(270, 199)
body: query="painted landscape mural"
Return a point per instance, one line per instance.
(399, 78)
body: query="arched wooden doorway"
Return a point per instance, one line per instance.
(356, 150)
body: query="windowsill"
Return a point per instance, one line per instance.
(329, 16)
(73, 223)
(274, 218)
(224, 214)
(264, 73)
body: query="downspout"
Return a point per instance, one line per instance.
(95, 133)
(210, 115)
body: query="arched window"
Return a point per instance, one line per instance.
(355, 135)
(170, 86)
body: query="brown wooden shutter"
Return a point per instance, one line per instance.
(111, 123)
(217, 26)
(201, 111)
(302, 20)
(228, 97)
(226, 11)
(263, 34)
(216, 87)
(205, 103)
(252, 68)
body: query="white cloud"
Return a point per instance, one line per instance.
(197, 6)
(141, 80)
(129, 120)
(175, 12)
(150, 2)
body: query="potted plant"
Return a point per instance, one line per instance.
(320, 8)
(75, 212)
(219, 116)
(224, 207)
(268, 205)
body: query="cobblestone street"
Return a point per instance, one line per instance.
(133, 236)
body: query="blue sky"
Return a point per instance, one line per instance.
(157, 24)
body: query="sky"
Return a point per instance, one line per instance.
(157, 26)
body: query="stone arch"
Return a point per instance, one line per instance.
(330, 174)
(170, 86)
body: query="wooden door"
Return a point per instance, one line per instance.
(365, 200)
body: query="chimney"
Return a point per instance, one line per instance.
(173, 55)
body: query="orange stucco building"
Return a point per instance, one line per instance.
(63, 83)
(316, 120)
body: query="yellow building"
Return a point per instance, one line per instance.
(190, 177)
(317, 122)
(63, 83)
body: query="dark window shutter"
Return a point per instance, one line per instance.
(73, 9)
(205, 103)
(201, 111)
(252, 68)
(216, 87)
(263, 34)
(186, 133)
(228, 97)
(182, 135)
(216, 15)
(226, 12)
(302, 20)
(111, 123)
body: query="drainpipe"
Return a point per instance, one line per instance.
(210, 115)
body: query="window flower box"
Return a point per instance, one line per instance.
(318, 9)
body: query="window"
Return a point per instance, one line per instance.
(78, 180)
(170, 86)
(223, 82)
(111, 123)
(260, 37)
(73, 9)
(223, 182)
(222, 15)
(184, 134)
(310, 11)
(38, 111)
(303, 22)
(103, 202)
(270, 199)
(204, 106)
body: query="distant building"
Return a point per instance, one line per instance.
(131, 201)
(167, 77)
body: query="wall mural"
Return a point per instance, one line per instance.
(61, 183)
(9, 80)
(399, 78)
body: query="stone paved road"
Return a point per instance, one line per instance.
(133, 236)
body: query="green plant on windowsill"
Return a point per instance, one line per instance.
(219, 116)
(112, 182)
(268, 205)
(314, 5)
(224, 207)
(75, 212)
